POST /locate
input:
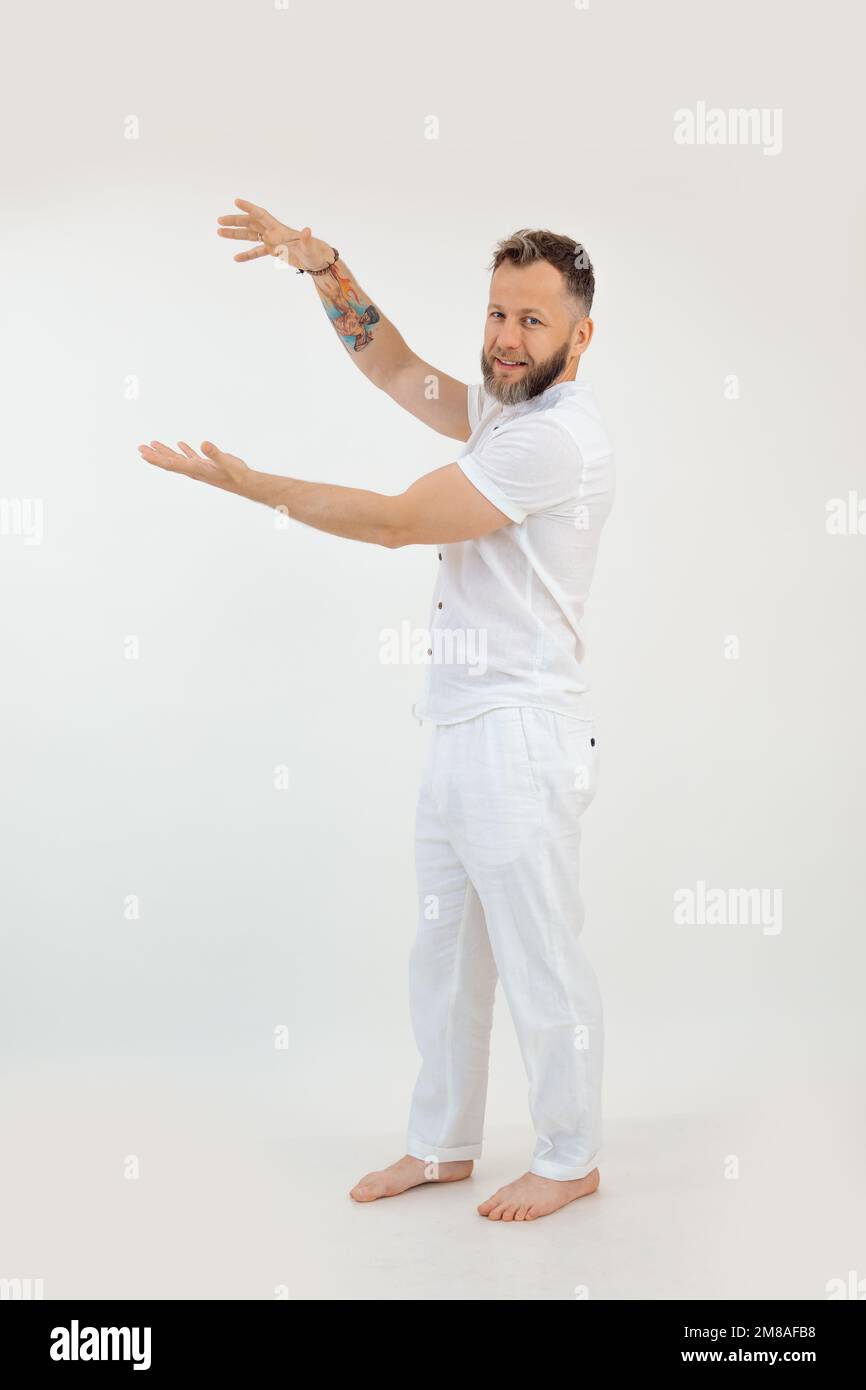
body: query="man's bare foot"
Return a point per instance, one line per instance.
(532, 1196)
(405, 1173)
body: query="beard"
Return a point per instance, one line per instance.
(535, 379)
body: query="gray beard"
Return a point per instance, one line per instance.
(534, 380)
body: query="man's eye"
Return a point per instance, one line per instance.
(530, 318)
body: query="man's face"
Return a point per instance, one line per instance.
(528, 323)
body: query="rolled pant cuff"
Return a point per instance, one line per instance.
(559, 1172)
(420, 1150)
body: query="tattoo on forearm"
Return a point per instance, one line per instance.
(351, 317)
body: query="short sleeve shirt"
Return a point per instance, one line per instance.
(506, 623)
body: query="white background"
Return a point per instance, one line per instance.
(259, 646)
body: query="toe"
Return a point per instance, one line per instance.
(508, 1214)
(520, 1214)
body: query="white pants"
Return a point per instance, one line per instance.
(497, 844)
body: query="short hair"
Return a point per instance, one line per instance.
(568, 255)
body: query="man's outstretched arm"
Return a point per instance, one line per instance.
(368, 335)
(441, 507)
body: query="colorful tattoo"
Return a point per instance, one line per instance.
(346, 310)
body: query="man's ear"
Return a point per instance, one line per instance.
(583, 332)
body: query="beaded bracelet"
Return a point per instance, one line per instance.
(324, 267)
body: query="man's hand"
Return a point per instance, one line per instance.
(296, 247)
(211, 466)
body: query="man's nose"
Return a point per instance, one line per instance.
(509, 339)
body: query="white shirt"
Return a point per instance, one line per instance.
(506, 623)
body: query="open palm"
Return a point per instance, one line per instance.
(211, 466)
(274, 238)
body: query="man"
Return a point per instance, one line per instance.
(513, 761)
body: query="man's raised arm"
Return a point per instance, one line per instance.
(368, 335)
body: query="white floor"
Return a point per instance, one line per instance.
(228, 1205)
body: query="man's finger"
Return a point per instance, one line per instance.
(250, 207)
(162, 457)
(231, 220)
(240, 233)
(166, 452)
(190, 453)
(252, 255)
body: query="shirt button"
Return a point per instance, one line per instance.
(440, 554)
(440, 603)
(429, 651)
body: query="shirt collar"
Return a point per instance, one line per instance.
(549, 397)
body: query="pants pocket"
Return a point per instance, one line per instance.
(561, 754)
(581, 747)
(529, 749)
